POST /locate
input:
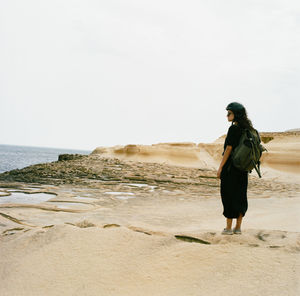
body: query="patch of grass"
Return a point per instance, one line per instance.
(191, 239)
(111, 225)
(13, 229)
(85, 224)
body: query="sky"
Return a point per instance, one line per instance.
(83, 74)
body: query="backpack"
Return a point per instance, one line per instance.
(246, 156)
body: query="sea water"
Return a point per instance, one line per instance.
(25, 198)
(17, 157)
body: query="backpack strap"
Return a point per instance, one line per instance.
(256, 167)
(258, 136)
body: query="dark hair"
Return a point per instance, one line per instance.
(240, 115)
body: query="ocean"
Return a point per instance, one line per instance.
(17, 157)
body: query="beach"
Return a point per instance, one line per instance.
(147, 220)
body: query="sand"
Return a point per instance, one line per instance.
(157, 231)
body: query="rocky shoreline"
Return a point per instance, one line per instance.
(94, 171)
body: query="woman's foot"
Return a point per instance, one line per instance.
(237, 231)
(227, 231)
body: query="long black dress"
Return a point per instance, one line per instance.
(234, 182)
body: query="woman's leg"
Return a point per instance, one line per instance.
(239, 222)
(229, 223)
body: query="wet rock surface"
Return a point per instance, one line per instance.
(96, 172)
(93, 168)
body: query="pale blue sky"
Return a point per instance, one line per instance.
(82, 74)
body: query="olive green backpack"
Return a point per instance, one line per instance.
(246, 156)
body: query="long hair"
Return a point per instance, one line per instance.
(243, 121)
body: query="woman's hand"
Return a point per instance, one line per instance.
(224, 159)
(219, 172)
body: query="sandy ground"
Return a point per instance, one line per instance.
(154, 236)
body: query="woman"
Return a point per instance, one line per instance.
(234, 182)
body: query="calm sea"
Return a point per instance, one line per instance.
(17, 157)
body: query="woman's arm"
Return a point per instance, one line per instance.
(224, 159)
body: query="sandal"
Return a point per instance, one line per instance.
(227, 231)
(237, 231)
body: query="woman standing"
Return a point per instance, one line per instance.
(234, 182)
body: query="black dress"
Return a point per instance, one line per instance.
(234, 182)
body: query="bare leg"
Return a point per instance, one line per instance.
(229, 223)
(239, 222)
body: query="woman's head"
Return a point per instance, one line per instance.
(238, 110)
(237, 113)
